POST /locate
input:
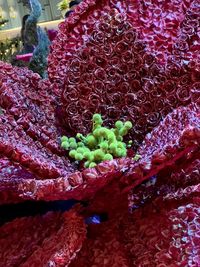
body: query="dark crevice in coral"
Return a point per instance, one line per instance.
(32, 208)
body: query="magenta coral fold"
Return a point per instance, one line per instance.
(129, 60)
(44, 248)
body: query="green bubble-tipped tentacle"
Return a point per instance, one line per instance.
(100, 145)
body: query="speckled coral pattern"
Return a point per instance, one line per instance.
(160, 148)
(105, 66)
(56, 240)
(162, 229)
(117, 72)
(136, 60)
(150, 237)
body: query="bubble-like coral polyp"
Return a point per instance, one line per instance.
(100, 145)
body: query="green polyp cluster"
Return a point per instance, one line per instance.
(100, 145)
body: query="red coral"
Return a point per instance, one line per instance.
(132, 76)
(57, 238)
(161, 231)
(31, 102)
(11, 171)
(131, 82)
(136, 60)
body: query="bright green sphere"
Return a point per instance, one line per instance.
(65, 145)
(73, 145)
(113, 146)
(121, 145)
(79, 156)
(72, 153)
(104, 145)
(108, 157)
(96, 132)
(119, 124)
(123, 131)
(96, 117)
(80, 150)
(124, 152)
(118, 153)
(64, 138)
(92, 165)
(87, 164)
(98, 154)
(128, 125)
(88, 156)
(80, 144)
(72, 139)
(79, 136)
(91, 141)
(111, 137)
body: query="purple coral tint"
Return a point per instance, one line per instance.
(136, 60)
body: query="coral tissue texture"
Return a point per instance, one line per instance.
(112, 68)
(162, 229)
(49, 240)
(101, 61)
(130, 60)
